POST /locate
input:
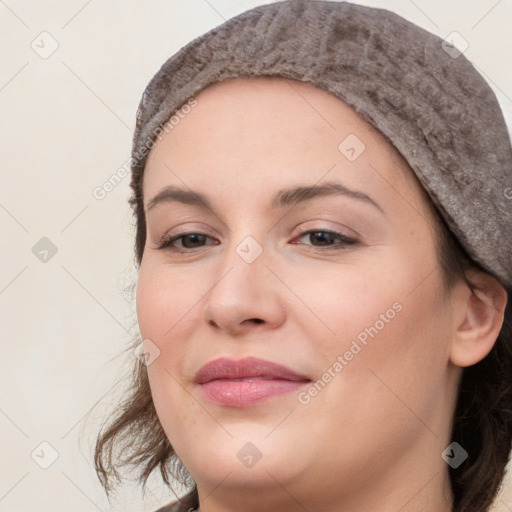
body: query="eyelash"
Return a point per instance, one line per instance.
(165, 243)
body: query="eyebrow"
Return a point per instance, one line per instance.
(285, 197)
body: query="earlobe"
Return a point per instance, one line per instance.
(480, 320)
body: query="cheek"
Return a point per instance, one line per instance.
(165, 300)
(162, 306)
(349, 299)
(393, 346)
(387, 320)
(163, 311)
(168, 303)
(403, 364)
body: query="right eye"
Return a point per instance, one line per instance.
(189, 242)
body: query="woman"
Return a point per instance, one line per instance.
(322, 195)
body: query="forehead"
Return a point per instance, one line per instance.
(254, 133)
(275, 105)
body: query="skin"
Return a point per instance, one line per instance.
(372, 438)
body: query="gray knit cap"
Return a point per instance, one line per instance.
(424, 96)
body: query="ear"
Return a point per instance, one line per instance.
(480, 308)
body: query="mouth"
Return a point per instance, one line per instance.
(246, 382)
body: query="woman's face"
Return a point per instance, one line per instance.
(338, 283)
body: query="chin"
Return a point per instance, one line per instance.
(250, 458)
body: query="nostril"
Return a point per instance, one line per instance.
(257, 320)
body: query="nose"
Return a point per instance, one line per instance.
(244, 294)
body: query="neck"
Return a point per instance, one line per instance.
(403, 485)
(428, 495)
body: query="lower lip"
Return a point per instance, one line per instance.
(233, 393)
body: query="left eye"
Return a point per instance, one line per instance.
(326, 237)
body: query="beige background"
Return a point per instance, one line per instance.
(67, 123)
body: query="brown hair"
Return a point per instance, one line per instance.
(481, 424)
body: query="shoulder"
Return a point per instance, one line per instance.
(185, 504)
(173, 507)
(176, 506)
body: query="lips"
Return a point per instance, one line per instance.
(246, 382)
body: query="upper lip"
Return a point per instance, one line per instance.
(230, 369)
